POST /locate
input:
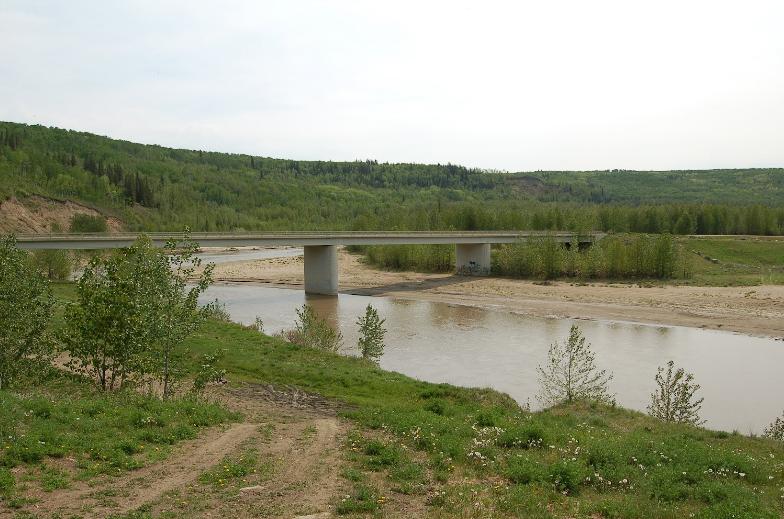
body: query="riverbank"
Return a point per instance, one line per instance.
(756, 310)
(315, 434)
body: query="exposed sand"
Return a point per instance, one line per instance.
(37, 214)
(753, 310)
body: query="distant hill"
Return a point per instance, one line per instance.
(157, 188)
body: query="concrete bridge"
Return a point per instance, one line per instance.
(472, 249)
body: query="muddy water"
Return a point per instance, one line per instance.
(740, 375)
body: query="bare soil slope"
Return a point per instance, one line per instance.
(37, 214)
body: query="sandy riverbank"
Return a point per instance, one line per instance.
(754, 310)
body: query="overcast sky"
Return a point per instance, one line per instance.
(519, 85)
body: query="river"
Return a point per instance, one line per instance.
(740, 375)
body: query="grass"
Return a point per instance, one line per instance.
(65, 418)
(736, 261)
(242, 469)
(579, 460)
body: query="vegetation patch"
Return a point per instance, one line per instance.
(103, 432)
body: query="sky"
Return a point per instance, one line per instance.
(515, 86)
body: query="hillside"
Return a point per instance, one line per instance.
(150, 187)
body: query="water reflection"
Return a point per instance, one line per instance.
(326, 307)
(476, 347)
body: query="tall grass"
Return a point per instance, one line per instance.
(615, 257)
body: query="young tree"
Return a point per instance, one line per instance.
(371, 334)
(54, 264)
(776, 429)
(25, 309)
(673, 400)
(134, 309)
(571, 374)
(178, 312)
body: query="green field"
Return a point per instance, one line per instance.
(736, 261)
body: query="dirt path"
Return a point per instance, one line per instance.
(151, 482)
(755, 310)
(296, 438)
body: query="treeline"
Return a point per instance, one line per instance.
(671, 218)
(152, 188)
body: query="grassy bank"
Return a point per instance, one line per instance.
(736, 261)
(475, 453)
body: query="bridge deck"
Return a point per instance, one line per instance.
(301, 239)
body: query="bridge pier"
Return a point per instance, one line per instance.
(321, 269)
(472, 258)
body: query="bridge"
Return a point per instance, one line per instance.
(472, 249)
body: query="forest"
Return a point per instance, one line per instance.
(154, 188)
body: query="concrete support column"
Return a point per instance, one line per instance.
(321, 269)
(473, 258)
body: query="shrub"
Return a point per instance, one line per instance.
(571, 374)
(7, 481)
(216, 310)
(617, 257)
(566, 476)
(208, 373)
(312, 331)
(673, 400)
(524, 471)
(88, 223)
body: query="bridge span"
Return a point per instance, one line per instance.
(472, 249)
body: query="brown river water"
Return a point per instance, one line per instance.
(740, 375)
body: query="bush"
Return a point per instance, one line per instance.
(427, 258)
(566, 476)
(570, 373)
(673, 400)
(524, 471)
(312, 331)
(88, 223)
(7, 481)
